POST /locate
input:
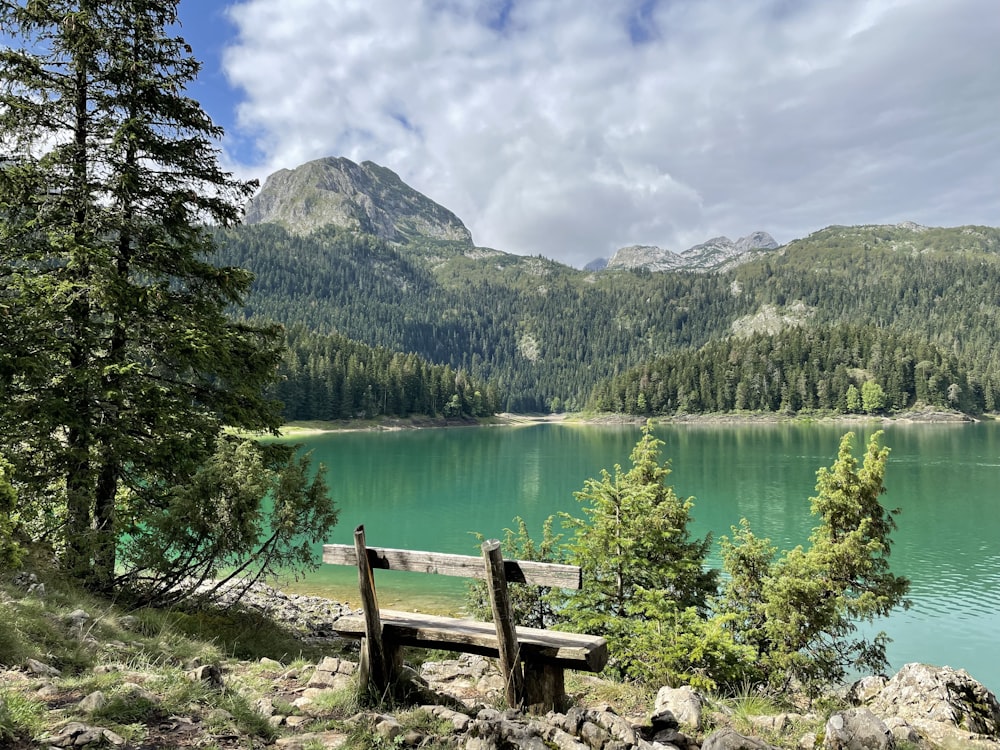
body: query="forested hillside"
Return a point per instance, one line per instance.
(545, 336)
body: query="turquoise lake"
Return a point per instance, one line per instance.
(434, 489)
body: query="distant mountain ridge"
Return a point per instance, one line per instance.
(362, 197)
(372, 199)
(717, 254)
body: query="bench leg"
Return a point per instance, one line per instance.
(393, 662)
(544, 687)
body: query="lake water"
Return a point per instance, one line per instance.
(433, 489)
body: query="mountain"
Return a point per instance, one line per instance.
(718, 254)
(362, 197)
(912, 308)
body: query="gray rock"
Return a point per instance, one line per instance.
(617, 727)
(77, 734)
(128, 622)
(684, 703)
(327, 740)
(902, 731)
(459, 720)
(923, 694)
(77, 618)
(332, 672)
(132, 690)
(387, 727)
(730, 739)
(857, 729)
(93, 702)
(593, 735)
(866, 689)
(41, 669)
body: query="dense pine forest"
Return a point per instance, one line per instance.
(910, 311)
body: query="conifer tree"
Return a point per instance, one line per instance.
(120, 366)
(801, 612)
(648, 585)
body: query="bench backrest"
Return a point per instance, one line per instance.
(463, 566)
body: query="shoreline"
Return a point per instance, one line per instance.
(506, 419)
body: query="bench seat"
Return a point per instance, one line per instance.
(568, 650)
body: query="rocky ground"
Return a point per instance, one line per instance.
(311, 704)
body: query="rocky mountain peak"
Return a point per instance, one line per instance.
(717, 254)
(362, 197)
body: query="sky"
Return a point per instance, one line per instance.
(572, 128)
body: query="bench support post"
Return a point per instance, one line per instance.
(544, 686)
(376, 660)
(510, 657)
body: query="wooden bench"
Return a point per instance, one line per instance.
(544, 653)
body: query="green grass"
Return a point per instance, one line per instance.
(20, 716)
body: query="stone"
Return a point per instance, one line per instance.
(459, 720)
(270, 663)
(78, 734)
(327, 740)
(133, 690)
(924, 694)
(387, 727)
(264, 706)
(93, 702)
(128, 622)
(593, 735)
(40, 668)
(865, 689)
(617, 727)
(210, 674)
(77, 618)
(332, 673)
(730, 739)
(857, 729)
(902, 731)
(564, 740)
(684, 703)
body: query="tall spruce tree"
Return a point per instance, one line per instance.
(119, 366)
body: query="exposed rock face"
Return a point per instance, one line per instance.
(718, 254)
(942, 703)
(362, 197)
(771, 319)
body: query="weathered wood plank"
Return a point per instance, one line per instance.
(503, 619)
(571, 650)
(463, 566)
(376, 667)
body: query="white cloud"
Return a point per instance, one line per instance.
(571, 129)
